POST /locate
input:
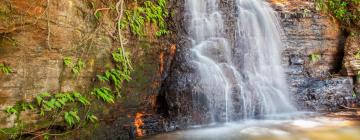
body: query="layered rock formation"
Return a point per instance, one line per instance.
(35, 36)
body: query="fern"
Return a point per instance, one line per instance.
(83, 100)
(19, 107)
(40, 98)
(75, 67)
(91, 118)
(104, 94)
(5, 69)
(120, 73)
(78, 67)
(68, 61)
(122, 63)
(154, 13)
(71, 117)
(11, 110)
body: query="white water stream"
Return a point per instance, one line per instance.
(255, 86)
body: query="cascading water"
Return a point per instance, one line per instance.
(259, 42)
(255, 86)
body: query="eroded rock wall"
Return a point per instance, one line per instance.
(313, 56)
(35, 37)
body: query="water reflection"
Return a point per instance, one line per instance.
(304, 127)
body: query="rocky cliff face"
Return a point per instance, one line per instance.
(36, 36)
(313, 57)
(181, 99)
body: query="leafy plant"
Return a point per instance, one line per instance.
(314, 57)
(78, 67)
(68, 61)
(104, 94)
(46, 102)
(83, 100)
(151, 12)
(11, 110)
(18, 108)
(5, 69)
(90, 117)
(346, 11)
(75, 67)
(120, 73)
(71, 117)
(98, 15)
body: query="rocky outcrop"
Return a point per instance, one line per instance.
(351, 62)
(313, 57)
(35, 37)
(182, 100)
(328, 95)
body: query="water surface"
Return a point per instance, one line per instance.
(336, 126)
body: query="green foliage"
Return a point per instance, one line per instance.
(346, 11)
(46, 102)
(104, 94)
(120, 73)
(314, 57)
(75, 67)
(151, 12)
(358, 77)
(357, 55)
(18, 108)
(98, 15)
(11, 110)
(67, 106)
(5, 69)
(90, 117)
(68, 61)
(13, 132)
(71, 117)
(81, 99)
(78, 67)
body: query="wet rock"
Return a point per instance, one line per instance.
(328, 95)
(307, 33)
(181, 86)
(296, 60)
(295, 70)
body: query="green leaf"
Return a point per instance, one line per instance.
(98, 15)
(11, 110)
(91, 118)
(104, 94)
(42, 112)
(68, 61)
(39, 100)
(81, 98)
(5, 69)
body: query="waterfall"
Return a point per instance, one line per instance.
(256, 84)
(259, 44)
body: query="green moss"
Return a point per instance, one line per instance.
(346, 11)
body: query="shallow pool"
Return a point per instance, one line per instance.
(335, 126)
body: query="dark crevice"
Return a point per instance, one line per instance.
(337, 65)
